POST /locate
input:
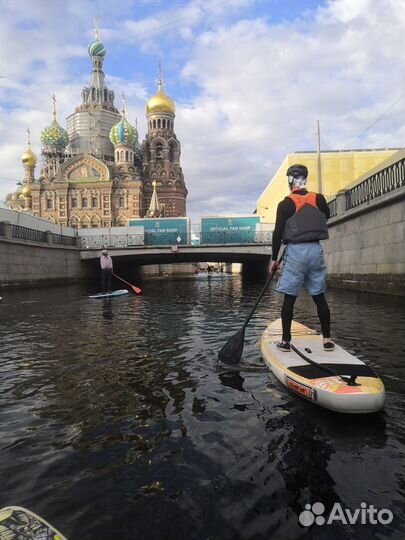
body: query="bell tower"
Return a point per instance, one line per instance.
(161, 155)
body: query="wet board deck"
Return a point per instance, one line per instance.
(110, 295)
(17, 523)
(314, 383)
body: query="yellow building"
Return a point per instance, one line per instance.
(339, 169)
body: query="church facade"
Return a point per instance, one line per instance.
(96, 173)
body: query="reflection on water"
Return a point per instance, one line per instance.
(118, 421)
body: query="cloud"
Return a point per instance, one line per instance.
(248, 90)
(263, 87)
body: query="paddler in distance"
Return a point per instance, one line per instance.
(301, 224)
(106, 265)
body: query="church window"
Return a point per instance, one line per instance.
(84, 203)
(122, 202)
(105, 95)
(94, 202)
(171, 152)
(126, 155)
(159, 151)
(93, 94)
(74, 202)
(164, 123)
(159, 123)
(49, 204)
(154, 124)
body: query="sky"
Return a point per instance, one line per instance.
(250, 79)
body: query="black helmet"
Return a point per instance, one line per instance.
(297, 170)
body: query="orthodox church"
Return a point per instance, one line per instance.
(95, 173)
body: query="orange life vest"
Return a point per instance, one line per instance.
(308, 224)
(300, 200)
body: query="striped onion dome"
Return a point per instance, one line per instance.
(123, 132)
(96, 48)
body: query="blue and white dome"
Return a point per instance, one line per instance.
(54, 135)
(96, 48)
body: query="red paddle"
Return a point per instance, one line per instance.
(136, 289)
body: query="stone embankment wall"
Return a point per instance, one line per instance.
(25, 262)
(366, 246)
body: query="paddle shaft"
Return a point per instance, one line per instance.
(263, 290)
(231, 352)
(136, 289)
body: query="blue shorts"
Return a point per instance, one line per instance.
(304, 265)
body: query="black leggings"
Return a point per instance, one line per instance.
(106, 274)
(287, 313)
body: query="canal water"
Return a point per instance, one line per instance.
(118, 422)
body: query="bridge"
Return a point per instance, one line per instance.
(366, 249)
(129, 248)
(36, 250)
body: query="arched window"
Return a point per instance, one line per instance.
(126, 155)
(164, 123)
(154, 124)
(172, 148)
(122, 202)
(159, 123)
(159, 152)
(147, 153)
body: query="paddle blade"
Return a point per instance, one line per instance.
(136, 289)
(231, 352)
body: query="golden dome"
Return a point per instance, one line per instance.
(29, 158)
(160, 102)
(26, 191)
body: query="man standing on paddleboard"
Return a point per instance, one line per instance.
(301, 224)
(106, 271)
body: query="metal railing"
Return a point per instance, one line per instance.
(24, 233)
(380, 183)
(333, 207)
(111, 241)
(18, 232)
(63, 240)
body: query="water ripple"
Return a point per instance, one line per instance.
(118, 421)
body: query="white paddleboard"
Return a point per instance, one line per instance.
(19, 523)
(316, 384)
(109, 295)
